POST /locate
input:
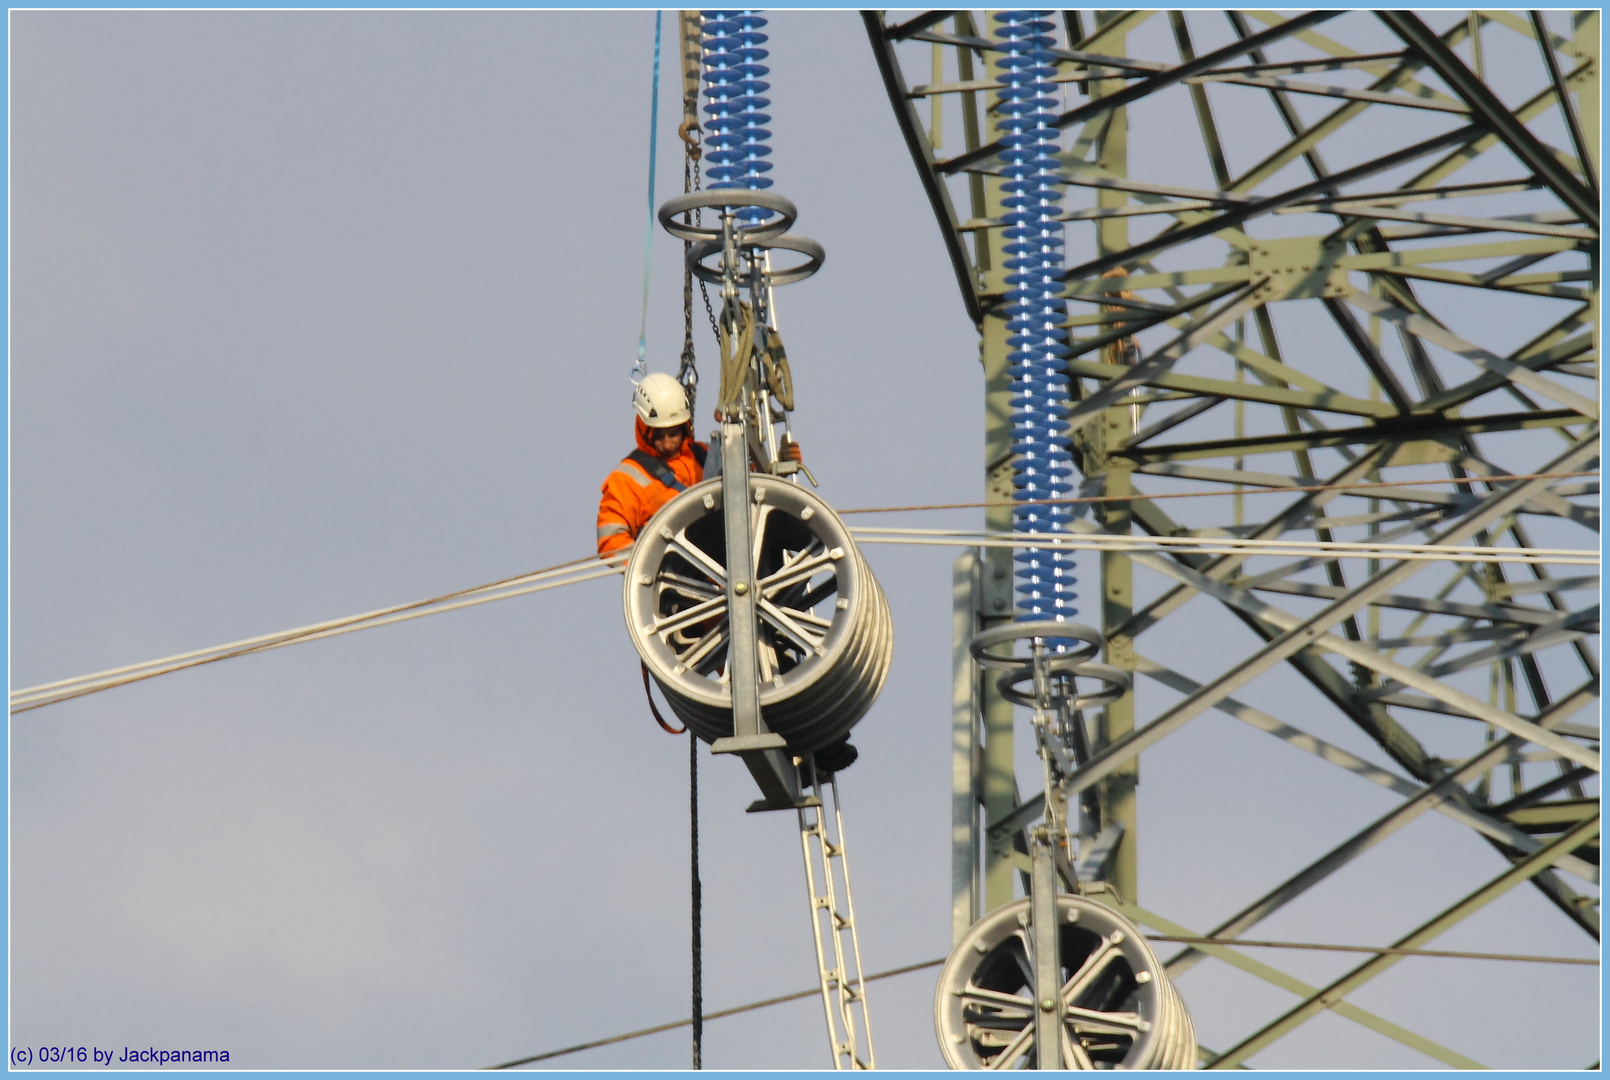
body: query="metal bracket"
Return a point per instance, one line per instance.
(995, 591)
(1047, 961)
(764, 752)
(747, 744)
(1094, 860)
(1298, 267)
(760, 806)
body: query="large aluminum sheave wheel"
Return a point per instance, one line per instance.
(825, 637)
(1118, 1008)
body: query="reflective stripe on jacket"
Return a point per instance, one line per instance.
(630, 496)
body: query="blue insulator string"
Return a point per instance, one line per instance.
(735, 141)
(641, 367)
(1035, 314)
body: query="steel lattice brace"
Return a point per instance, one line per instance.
(1367, 253)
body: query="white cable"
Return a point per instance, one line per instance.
(587, 569)
(1232, 546)
(552, 578)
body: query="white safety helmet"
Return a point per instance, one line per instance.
(661, 401)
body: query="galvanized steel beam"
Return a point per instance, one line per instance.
(1180, 385)
(1368, 970)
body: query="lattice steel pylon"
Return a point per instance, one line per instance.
(1316, 261)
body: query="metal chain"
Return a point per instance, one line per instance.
(692, 180)
(688, 374)
(704, 289)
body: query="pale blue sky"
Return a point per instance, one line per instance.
(317, 312)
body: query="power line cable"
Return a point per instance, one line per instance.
(580, 570)
(1378, 951)
(1214, 545)
(1281, 490)
(587, 569)
(655, 1030)
(552, 577)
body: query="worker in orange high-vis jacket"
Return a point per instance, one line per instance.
(667, 461)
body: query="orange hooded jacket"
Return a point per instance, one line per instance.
(631, 496)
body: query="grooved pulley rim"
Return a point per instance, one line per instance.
(1118, 1008)
(825, 636)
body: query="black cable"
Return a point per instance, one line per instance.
(688, 376)
(697, 902)
(798, 995)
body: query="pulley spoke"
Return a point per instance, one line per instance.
(1073, 1050)
(1005, 1020)
(694, 659)
(792, 575)
(763, 514)
(806, 616)
(1094, 964)
(789, 628)
(1024, 955)
(996, 1022)
(974, 994)
(1086, 1025)
(688, 586)
(695, 555)
(777, 587)
(1017, 1048)
(811, 597)
(715, 607)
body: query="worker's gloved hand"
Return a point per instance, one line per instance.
(789, 451)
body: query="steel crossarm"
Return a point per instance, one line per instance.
(1323, 999)
(1446, 801)
(1307, 632)
(1291, 984)
(1359, 348)
(1494, 113)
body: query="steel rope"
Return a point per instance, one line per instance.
(579, 570)
(696, 905)
(782, 999)
(553, 577)
(1096, 499)
(640, 368)
(688, 376)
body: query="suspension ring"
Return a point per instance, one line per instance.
(1007, 633)
(804, 245)
(728, 199)
(1115, 682)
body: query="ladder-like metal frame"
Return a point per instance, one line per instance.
(827, 880)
